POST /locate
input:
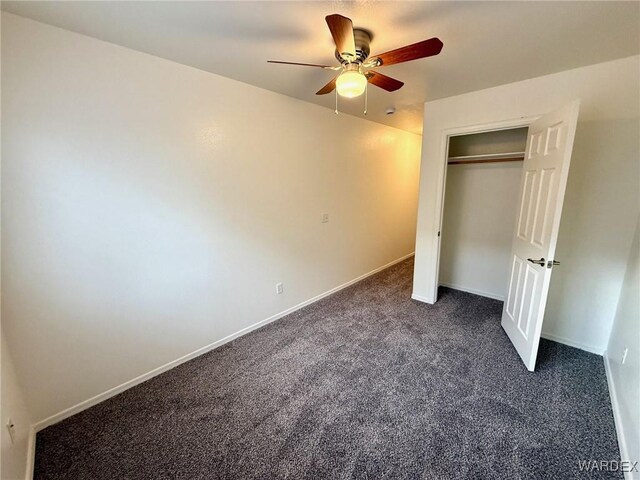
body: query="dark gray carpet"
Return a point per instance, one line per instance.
(363, 384)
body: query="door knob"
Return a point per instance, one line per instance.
(540, 262)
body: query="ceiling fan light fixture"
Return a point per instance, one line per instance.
(351, 84)
(352, 51)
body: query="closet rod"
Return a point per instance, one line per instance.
(487, 158)
(496, 160)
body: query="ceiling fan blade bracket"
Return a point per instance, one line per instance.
(372, 62)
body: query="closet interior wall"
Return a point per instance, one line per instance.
(479, 212)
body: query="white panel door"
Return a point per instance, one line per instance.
(542, 187)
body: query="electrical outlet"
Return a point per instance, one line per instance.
(624, 355)
(279, 288)
(325, 218)
(12, 430)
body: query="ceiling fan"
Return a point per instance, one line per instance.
(352, 51)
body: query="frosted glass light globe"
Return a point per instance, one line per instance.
(351, 84)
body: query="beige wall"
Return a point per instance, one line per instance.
(601, 203)
(624, 378)
(149, 208)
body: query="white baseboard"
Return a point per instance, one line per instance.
(573, 343)
(421, 298)
(68, 412)
(617, 418)
(472, 290)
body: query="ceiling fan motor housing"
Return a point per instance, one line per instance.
(362, 40)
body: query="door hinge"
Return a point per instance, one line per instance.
(438, 232)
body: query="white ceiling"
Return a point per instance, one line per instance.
(485, 43)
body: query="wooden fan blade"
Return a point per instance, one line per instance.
(329, 87)
(386, 83)
(304, 64)
(426, 48)
(342, 32)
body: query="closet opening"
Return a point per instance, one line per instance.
(481, 190)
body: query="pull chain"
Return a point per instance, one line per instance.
(366, 96)
(336, 102)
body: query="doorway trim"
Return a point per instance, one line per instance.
(445, 135)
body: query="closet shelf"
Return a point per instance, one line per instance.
(487, 158)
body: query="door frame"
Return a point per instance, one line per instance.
(445, 136)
